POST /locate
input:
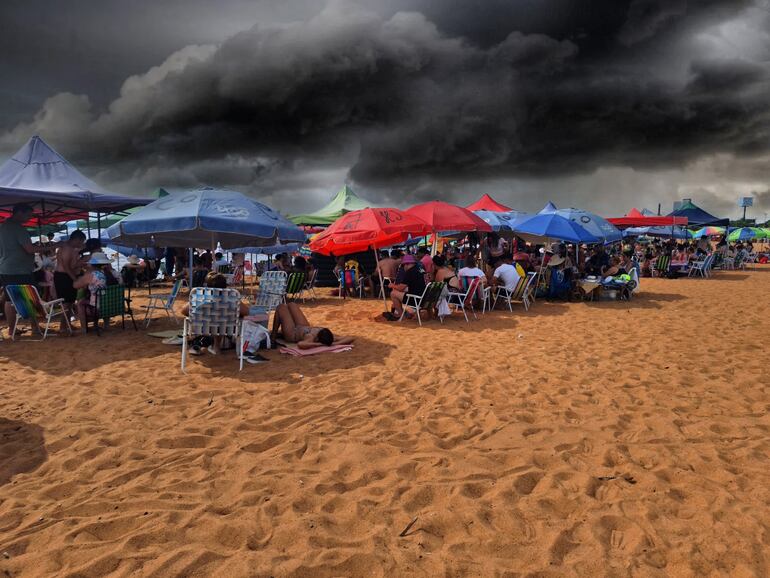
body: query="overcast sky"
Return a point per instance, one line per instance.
(599, 104)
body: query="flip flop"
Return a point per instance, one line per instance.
(389, 316)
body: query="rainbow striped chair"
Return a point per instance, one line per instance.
(213, 312)
(26, 300)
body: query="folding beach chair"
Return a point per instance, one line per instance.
(163, 302)
(349, 282)
(522, 293)
(700, 267)
(484, 293)
(463, 301)
(112, 302)
(309, 288)
(295, 285)
(26, 300)
(272, 288)
(225, 269)
(213, 312)
(661, 266)
(428, 300)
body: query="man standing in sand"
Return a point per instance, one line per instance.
(68, 267)
(17, 254)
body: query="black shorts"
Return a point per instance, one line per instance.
(26, 279)
(64, 288)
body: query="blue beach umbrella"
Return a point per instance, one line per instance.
(554, 226)
(502, 221)
(269, 250)
(594, 224)
(203, 218)
(675, 232)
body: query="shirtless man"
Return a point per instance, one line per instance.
(68, 266)
(295, 328)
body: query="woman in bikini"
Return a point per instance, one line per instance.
(295, 328)
(446, 274)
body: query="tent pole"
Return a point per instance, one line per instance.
(379, 273)
(99, 224)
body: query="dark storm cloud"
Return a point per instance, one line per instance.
(452, 92)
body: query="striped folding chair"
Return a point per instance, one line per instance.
(661, 266)
(522, 293)
(163, 302)
(295, 285)
(272, 288)
(484, 293)
(112, 302)
(26, 300)
(213, 312)
(349, 282)
(427, 301)
(464, 301)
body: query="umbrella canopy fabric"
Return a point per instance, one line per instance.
(203, 218)
(553, 226)
(709, 231)
(747, 233)
(549, 208)
(270, 250)
(442, 216)
(697, 216)
(594, 224)
(487, 203)
(675, 232)
(343, 202)
(40, 176)
(645, 218)
(502, 221)
(368, 229)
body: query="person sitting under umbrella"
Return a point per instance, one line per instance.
(409, 279)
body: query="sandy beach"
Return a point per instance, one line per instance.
(578, 439)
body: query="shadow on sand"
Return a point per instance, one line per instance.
(22, 448)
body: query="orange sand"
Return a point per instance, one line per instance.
(605, 439)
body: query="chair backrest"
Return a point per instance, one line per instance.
(311, 281)
(661, 264)
(224, 269)
(525, 284)
(238, 275)
(518, 291)
(348, 278)
(295, 283)
(175, 290)
(470, 290)
(111, 301)
(432, 294)
(272, 287)
(214, 311)
(26, 300)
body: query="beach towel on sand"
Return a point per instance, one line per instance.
(296, 351)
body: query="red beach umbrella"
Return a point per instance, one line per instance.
(442, 216)
(366, 229)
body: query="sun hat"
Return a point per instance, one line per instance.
(99, 259)
(408, 260)
(555, 260)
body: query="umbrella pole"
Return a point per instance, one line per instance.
(190, 276)
(379, 273)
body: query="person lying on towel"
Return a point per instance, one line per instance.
(290, 323)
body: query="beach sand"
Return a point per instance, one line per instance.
(578, 439)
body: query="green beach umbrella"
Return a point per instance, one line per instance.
(746, 233)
